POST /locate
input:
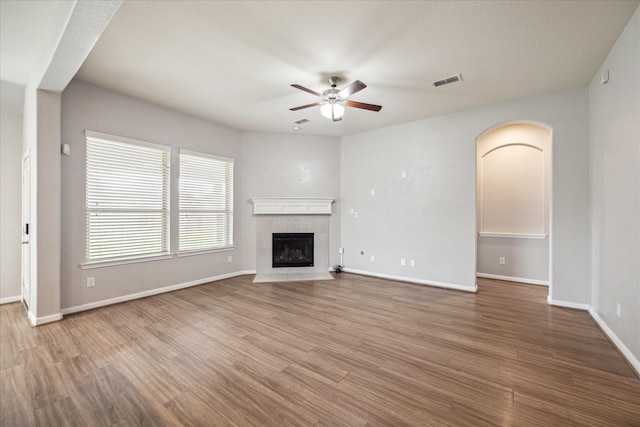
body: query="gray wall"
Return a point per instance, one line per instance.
(46, 236)
(430, 215)
(265, 165)
(615, 189)
(10, 190)
(278, 165)
(88, 107)
(41, 139)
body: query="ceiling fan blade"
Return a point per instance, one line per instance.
(354, 87)
(363, 105)
(304, 106)
(306, 90)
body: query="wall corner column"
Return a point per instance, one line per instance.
(42, 136)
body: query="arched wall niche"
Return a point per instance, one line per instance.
(513, 202)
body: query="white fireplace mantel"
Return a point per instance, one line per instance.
(292, 205)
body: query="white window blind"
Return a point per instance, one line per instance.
(127, 198)
(206, 202)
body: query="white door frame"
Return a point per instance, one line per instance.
(26, 232)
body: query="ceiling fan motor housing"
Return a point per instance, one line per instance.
(333, 81)
(331, 95)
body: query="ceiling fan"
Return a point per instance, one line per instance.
(333, 100)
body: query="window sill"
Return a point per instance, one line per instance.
(205, 251)
(122, 261)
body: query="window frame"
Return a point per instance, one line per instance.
(165, 201)
(228, 211)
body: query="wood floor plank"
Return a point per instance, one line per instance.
(410, 407)
(354, 351)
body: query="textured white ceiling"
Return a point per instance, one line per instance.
(232, 62)
(29, 31)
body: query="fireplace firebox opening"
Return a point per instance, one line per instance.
(292, 250)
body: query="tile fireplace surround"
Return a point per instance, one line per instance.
(292, 215)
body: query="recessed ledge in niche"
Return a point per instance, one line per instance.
(514, 235)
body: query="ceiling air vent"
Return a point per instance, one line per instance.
(448, 80)
(301, 121)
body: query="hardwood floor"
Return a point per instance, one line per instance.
(354, 351)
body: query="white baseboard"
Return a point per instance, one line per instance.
(37, 321)
(513, 279)
(123, 298)
(33, 320)
(633, 361)
(617, 342)
(567, 304)
(412, 280)
(7, 300)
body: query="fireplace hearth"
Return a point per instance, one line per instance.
(292, 250)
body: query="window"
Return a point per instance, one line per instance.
(127, 198)
(206, 202)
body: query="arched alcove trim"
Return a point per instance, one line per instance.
(512, 145)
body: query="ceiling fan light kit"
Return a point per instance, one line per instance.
(333, 111)
(333, 101)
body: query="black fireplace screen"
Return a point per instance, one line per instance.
(292, 250)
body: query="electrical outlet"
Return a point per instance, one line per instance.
(618, 311)
(373, 258)
(230, 258)
(503, 261)
(340, 250)
(412, 263)
(403, 262)
(91, 282)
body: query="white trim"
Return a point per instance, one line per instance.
(205, 251)
(210, 156)
(567, 304)
(116, 138)
(511, 145)
(7, 300)
(32, 318)
(513, 235)
(513, 279)
(37, 321)
(292, 205)
(110, 263)
(412, 280)
(148, 293)
(633, 361)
